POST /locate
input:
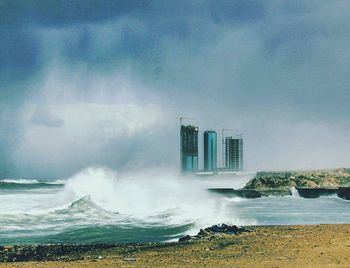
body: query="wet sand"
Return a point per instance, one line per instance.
(265, 246)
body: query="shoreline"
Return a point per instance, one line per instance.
(264, 246)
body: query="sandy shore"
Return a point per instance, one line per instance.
(265, 246)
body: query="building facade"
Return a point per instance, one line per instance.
(234, 153)
(210, 150)
(189, 148)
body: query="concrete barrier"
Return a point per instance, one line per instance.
(315, 192)
(244, 193)
(344, 192)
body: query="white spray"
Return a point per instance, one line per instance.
(149, 196)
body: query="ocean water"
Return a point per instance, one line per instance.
(99, 205)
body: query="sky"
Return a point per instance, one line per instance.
(86, 83)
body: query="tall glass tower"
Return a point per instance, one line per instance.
(210, 150)
(189, 148)
(234, 153)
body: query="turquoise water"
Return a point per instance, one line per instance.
(101, 206)
(33, 215)
(294, 210)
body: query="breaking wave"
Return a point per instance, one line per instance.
(148, 196)
(26, 184)
(100, 205)
(29, 181)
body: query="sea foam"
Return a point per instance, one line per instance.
(156, 196)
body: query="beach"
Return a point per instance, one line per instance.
(264, 246)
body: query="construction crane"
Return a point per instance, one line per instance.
(182, 118)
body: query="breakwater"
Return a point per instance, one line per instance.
(305, 192)
(244, 193)
(315, 192)
(307, 184)
(344, 192)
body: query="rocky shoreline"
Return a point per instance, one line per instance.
(49, 252)
(209, 232)
(219, 246)
(332, 178)
(308, 184)
(73, 252)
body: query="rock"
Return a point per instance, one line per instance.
(208, 233)
(243, 229)
(231, 229)
(48, 252)
(227, 229)
(185, 238)
(8, 248)
(203, 233)
(278, 183)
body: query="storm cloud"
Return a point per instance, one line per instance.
(101, 82)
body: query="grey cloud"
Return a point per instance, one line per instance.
(275, 71)
(43, 117)
(58, 13)
(20, 62)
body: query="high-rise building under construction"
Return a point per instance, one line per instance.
(234, 153)
(189, 148)
(210, 150)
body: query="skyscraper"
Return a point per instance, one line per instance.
(234, 153)
(210, 150)
(189, 148)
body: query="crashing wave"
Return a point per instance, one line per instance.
(29, 184)
(31, 181)
(19, 181)
(84, 204)
(152, 197)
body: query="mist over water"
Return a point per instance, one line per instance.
(102, 205)
(117, 79)
(106, 206)
(147, 194)
(106, 86)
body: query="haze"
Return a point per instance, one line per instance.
(101, 82)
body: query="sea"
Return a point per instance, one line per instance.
(98, 205)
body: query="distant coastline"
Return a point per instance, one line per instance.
(307, 183)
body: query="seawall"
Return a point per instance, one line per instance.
(305, 192)
(315, 192)
(344, 192)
